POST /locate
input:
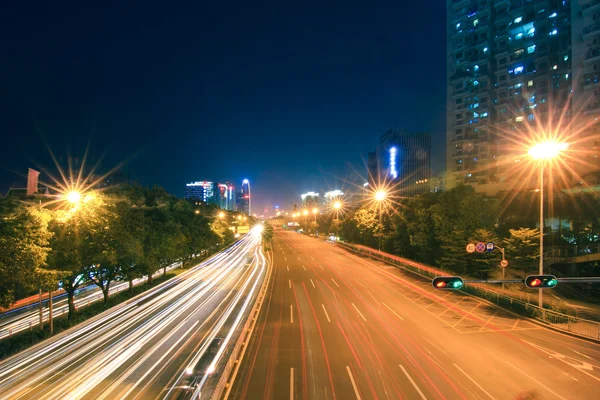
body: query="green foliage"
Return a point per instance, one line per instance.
(267, 233)
(123, 233)
(24, 238)
(522, 246)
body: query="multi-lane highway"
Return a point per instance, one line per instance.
(338, 326)
(27, 317)
(170, 342)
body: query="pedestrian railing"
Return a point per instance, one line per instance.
(554, 319)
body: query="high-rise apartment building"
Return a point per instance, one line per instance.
(515, 68)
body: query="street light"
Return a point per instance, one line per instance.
(73, 197)
(305, 213)
(544, 152)
(221, 215)
(337, 205)
(380, 195)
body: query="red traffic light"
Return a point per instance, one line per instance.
(447, 282)
(541, 281)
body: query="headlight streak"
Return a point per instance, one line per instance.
(96, 341)
(25, 319)
(234, 327)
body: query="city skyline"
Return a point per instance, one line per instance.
(151, 99)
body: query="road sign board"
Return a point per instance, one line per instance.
(470, 248)
(480, 247)
(489, 247)
(504, 263)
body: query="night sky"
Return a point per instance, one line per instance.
(291, 95)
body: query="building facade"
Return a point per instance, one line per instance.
(244, 201)
(517, 68)
(226, 196)
(404, 162)
(201, 191)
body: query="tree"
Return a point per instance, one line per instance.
(522, 246)
(484, 263)
(267, 233)
(77, 244)
(24, 239)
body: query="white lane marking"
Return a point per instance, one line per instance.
(353, 383)
(311, 281)
(536, 381)
(312, 258)
(291, 314)
(436, 347)
(285, 258)
(321, 267)
(581, 354)
(291, 383)
(288, 268)
(359, 313)
(335, 282)
(298, 258)
(413, 382)
(304, 267)
(327, 315)
(475, 383)
(290, 282)
(386, 306)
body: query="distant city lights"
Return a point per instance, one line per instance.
(393, 154)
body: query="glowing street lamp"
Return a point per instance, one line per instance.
(305, 213)
(221, 215)
(337, 205)
(544, 152)
(73, 197)
(380, 195)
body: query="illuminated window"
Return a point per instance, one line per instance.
(531, 49)
(519, 119)
(553, 15)
(554, 32)
(485, 49)
(518, 70)
(475, 22)
(519, 52)
(530, 117)
(555, 67)
(529, 83)
(476, 68)
(518, 19)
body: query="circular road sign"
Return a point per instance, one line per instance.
(489, 247)
(504, 263)
(470, 248)
(480, 247)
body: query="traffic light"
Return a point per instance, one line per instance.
(447, 282)
(541, 281)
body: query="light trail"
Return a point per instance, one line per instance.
(122, 352)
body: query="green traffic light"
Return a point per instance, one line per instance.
(552, 282)
(457, 284)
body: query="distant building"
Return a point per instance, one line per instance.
(403, 161)
(201, 191)
(225, 196)
(310, 199)
(436, 184)
(243, 199)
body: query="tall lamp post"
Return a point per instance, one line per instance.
(380, 196)
(544, 152)
(315, 211)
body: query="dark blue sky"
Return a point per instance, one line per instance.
(285, 94)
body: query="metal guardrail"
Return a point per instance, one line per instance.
(554, 319)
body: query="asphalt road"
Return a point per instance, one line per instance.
(338, 326)
(169, 342)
